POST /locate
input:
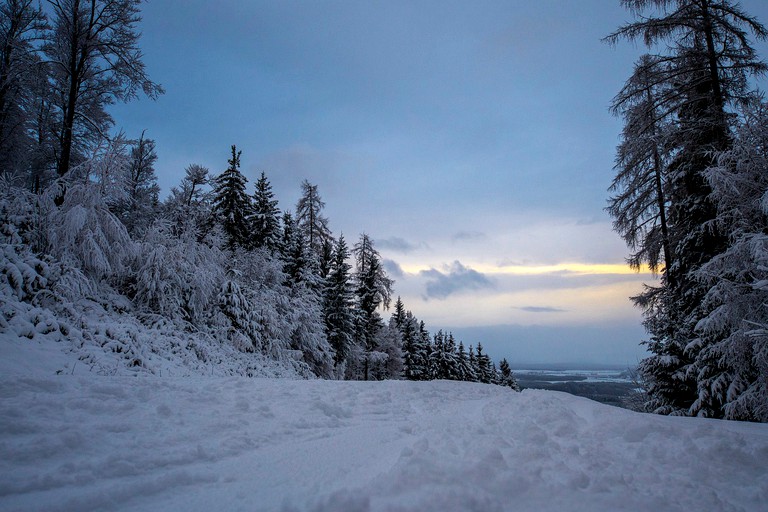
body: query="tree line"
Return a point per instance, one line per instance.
(690, 198)
(211, 256)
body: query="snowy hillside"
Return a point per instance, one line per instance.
(140, 443)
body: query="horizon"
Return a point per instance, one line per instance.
(473, 143)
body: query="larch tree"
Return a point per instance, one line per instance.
(373, 288)
(680, 100)
(310, 219)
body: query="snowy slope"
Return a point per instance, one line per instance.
(78, 443)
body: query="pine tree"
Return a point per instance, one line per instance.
(231, 204)
(265, 218)
(475, 369)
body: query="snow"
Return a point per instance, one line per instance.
(143, 442)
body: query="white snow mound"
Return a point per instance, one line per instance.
(79, 443)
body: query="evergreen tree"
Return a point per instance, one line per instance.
(416, 365)
(475, 369)
(326, 259)
(679, 101)
(231, 205)
(339, 321)
(398, 316)
(506, 378)
(265, 219)
(483, 364)
(732, 365)
(464, 367)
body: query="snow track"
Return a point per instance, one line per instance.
(237, 444)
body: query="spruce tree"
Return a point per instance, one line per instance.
(414, 363)
(338, 300)
(231, 204)
(506, 378)
(265, 217)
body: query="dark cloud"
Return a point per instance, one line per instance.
(541, 309)
(393, 268)
(469, 235)
(457, 279)
(397, 244)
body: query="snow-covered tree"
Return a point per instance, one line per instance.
(732, 362)
(415, 351)
(176, 275)
(235, 304)
(338, 301)
(139, 204)
(679, 102)
(465, 369)
(310, 219)
(83, 232)
(22, 22)
(190, 204)
(506, 378)
(265, 219)
(231, 204)
(94, 59)
(483, 364)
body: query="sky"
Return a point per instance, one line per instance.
(471, 140)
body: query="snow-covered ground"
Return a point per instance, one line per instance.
(145, 443)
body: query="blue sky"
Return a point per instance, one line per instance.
(471, 140)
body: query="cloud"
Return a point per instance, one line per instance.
(393, 268)
(541, 309)
(469, 235)
(397, 244)
(458, 278)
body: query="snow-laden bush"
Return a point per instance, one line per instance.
(175, 275)
(85, 234)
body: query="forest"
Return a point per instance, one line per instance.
(86, 233)
(84, 227)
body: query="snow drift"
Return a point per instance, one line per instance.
(138, 443)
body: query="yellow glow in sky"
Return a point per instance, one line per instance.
(572, 268)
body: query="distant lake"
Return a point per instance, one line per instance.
(607, 385)
(572, 375)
